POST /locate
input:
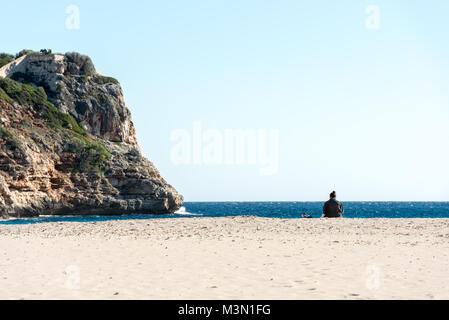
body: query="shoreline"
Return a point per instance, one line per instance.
(241, 257)
(267, 209)
(128, 217)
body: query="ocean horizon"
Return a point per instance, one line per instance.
(268, 209)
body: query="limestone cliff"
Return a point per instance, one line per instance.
(68, 144)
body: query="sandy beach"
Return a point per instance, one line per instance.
(226, 258)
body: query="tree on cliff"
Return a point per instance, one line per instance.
(83, 62)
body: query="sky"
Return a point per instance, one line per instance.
(344, 95)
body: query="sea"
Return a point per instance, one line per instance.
(285, 210)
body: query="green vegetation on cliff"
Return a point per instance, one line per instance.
(5, 58)
(25, 52)
(5, 97)
(58, 120)
(4, 133)
(10, 142)
(85, 64)
(99, 79)
(25, 94)
(92, 155)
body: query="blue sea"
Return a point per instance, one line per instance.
(288, 210)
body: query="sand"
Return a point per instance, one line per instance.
(227, 258)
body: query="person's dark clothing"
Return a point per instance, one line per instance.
(333, 209)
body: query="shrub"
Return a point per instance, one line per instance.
(4, 133)
(45, 51)
(25, 52)
(93, 156)
(4, 96)
(76, 144)
(101, 98)
(11, 143)
(58, 120)
(25, 94)
(99, 79)
(83, 62)
(5, 58)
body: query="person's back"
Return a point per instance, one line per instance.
(333, 208)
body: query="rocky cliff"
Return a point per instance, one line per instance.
(68, 144)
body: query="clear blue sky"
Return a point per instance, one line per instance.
(362, 111)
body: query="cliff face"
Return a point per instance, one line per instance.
(68, 145)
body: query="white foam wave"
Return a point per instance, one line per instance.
(8, 219)
(182, 211)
